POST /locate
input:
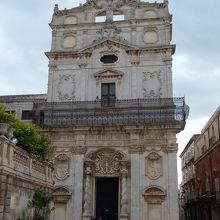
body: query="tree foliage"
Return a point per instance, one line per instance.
(28, 135)
(40, 202)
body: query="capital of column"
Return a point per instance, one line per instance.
(88, 167)
(124, 168)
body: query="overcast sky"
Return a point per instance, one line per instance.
(25, 36)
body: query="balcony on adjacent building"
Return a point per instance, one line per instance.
(212, 140)
(126, 112)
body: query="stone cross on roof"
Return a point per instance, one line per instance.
(109, 10)
(109, 6)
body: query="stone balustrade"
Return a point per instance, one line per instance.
(14, 159)
(20, 174)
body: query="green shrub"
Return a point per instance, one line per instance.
(28, 135)
(40, 202)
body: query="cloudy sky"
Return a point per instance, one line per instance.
(25, 36)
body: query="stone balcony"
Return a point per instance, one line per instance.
(16, 161)
(125, 112)
(20, 174)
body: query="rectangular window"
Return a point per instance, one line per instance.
(108, 94)
(26, 115)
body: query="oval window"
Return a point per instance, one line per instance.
(107, 59)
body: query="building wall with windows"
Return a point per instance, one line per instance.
(22, 105)
(187, 187)
(207, 166)
(204, 203)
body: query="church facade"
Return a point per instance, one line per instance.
(111, 113)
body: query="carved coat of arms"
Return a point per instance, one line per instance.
(61, 170)
(153, 166)
(107, 162)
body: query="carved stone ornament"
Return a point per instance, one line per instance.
(154, 195)
(66, 87)
(148, 147)
(152, 84)
(79, 149)
(108, 6)
(153, 166)
(134, 57)
(102, 4)
(82, 60)
(109, 50)
(108, 31)
(108, 74)
(61, 194)
(114, 42)
(61, 170)
(107, 162)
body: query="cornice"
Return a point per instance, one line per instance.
(23, 98)
(108, 41)
(156, 49)
(88, 51)
(67, 54)
(137, 21)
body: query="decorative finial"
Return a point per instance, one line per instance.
(166, 2)
(56, 8)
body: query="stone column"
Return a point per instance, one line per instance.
(87, 192)
(76, 203)
(136, 208)
(124, 193)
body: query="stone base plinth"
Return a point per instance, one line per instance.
(123, 217)
(87, 217)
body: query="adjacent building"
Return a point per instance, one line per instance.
(111, 113)
(202, 201)
(188, 184)
(207, 166)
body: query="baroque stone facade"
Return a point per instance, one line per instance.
(134, 54)
(110, 112)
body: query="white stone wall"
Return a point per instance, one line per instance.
(68, 82)
(140, 148)
(146, 75)
(143, 70)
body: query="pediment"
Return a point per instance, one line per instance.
(109, 73)
(154, 195)
(61, 194)
(61, 191)
(100, 43)
(154, 191)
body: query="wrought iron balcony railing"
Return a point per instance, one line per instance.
(131, 111)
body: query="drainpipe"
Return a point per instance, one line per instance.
(208, 137)
(218, 126)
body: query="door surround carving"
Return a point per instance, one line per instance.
(106, 163)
